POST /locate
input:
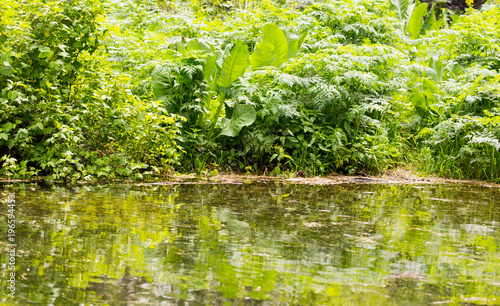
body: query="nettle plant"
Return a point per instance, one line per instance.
(41, 63)
(63, 113)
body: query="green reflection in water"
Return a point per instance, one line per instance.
(256, 244)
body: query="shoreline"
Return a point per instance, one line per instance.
(319, 180)
(399, 176)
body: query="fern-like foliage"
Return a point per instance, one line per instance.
(355, 24)
(181, 88)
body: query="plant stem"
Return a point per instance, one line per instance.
(221, 99)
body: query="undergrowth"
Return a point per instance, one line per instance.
(312, 87)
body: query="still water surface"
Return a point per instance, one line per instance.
(255, 244)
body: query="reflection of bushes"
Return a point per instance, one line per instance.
(230, 238)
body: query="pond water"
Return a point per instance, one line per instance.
(254, 244)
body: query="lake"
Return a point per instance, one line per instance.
(253, 244)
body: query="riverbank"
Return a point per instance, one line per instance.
(399, 176)
(396, 177)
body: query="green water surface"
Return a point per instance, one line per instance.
(254, 244)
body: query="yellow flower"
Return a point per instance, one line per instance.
(470, 3)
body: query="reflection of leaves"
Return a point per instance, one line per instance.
(226, 238)
(312, 224)
(113, 291)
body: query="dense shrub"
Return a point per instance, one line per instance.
(62, 112)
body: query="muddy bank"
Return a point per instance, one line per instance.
(393, 177)
(399, 176)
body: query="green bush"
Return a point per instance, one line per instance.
(62, 113)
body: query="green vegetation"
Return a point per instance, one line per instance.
(128, 89)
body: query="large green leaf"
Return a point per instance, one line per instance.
(293, 43)
(263, 55)
(430, 90)
(452, 70)
(243, 115)
(430, 22)
(416, 20)
(437, 65)
(274, 35)
(209, 67)
(234, 65)
(162, 80)
(181, 48)
(302, 37)
(272, 50)
(419, 103)
(171, 54)
(400, 7)
(197, 45)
